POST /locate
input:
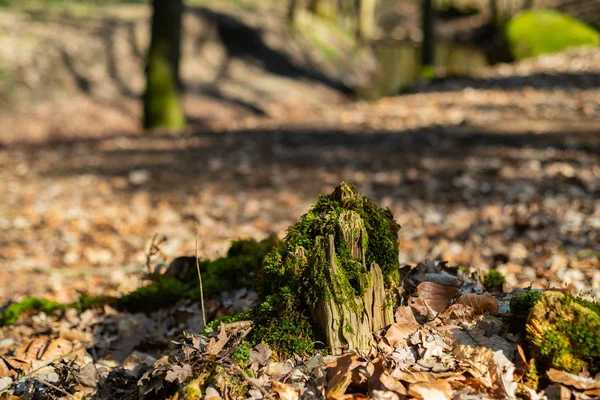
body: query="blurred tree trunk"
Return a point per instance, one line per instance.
(428, 49)
(293, 11)
(494, 11)
(528, 4)
(366, 19)
(327, 9)
(162, 103)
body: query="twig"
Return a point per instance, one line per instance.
(44, 382)
(200, 278)
(240, 372)
(150, 253)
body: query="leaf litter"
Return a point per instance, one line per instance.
(462, 350)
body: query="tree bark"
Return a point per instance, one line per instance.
(292, 13)
(366, 19)
(427, 23)
(349, 324)
(162, 102)
(494, 11)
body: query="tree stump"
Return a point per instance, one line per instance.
(340, 266)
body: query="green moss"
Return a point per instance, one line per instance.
(523, 303)
(297, 274)
(281, 323)
(162, 293)
(588, 254)
(536, 32)
(242, 316)
(531, 377)
(494, 280)
(88, 302)
(239, 269)
(563, 333)
(193, 391)
(14, 311)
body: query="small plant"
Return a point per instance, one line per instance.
(494, 280)
(241, 355)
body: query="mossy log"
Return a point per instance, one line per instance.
(338, 268)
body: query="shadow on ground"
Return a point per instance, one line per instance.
(447, 164)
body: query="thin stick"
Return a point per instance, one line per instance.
(200, 278)
(69, 395)
(150, 253)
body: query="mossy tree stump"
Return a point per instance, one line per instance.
(338, 269)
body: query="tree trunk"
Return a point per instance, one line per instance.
(366, 19)
(494, 11)
(428, 49)
(292, 13)
(528, 4)
(162, 102)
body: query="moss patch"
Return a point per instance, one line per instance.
(162, 293)
(563, 333)
(536, 32)
(523, 303)
(295, 276)
(14, 311)
(494, 280)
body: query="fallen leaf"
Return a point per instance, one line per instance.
(405, 316)
(212, 394)
(285, 391)
(4, 370)
(438, 390)
(435, 295)
(380, 380)
(461, 312)
(482, 303)
(576, 381)
(179, 373)
(397, 334)
(341, 376)
(421, 307)
(214, 347)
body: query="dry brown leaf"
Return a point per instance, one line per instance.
(212, 394)
(425, 376)
(435, 295)
(341, 376)
(32, 350)
(405, 316)
(397, 334)
(421, 307)
(438, 390)
(380, 380)
(461, 312)
(214, 347)
(284, 391)
(4, 370)
(482, 303)
(576, 381)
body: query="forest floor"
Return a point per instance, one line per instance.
(498, 171)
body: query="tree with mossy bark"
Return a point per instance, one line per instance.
(427, 26)
(335, 278)
(162, 100)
